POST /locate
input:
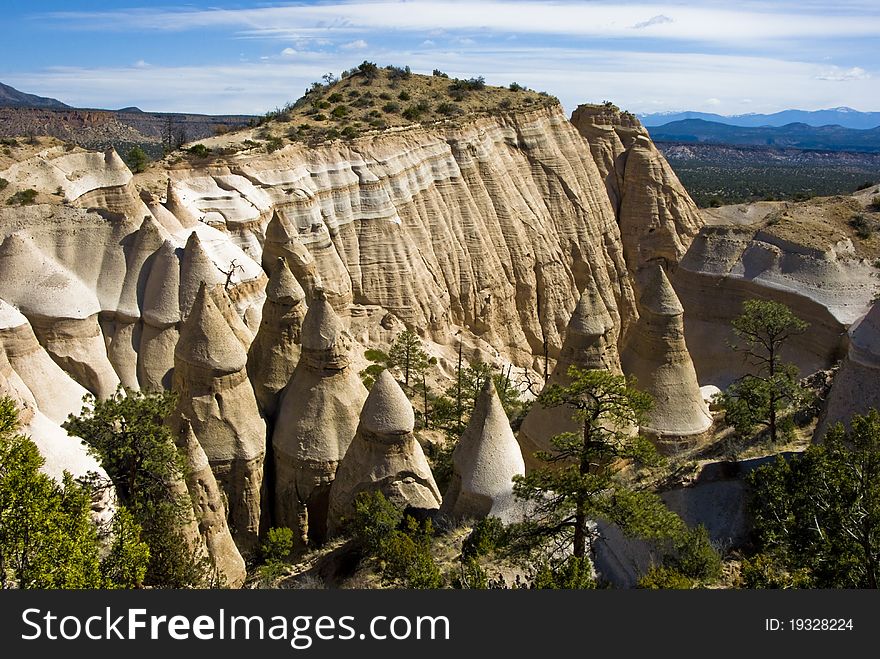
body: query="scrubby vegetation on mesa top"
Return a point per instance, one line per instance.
(372, 98)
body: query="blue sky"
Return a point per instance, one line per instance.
(216, 56)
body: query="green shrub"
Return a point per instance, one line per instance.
(516, 87)
(22, 197)
(274, 144)
(137, 160)
(339, 111)
(336, 97)
(3, 184)
(277, 545)
(574, 574)
(764, 571)
(660, 577)
(368, 70)
(385, 96)
(414, 112)
(471, 84)
(875, 202)
(389, 108)
(403, 96)
(374, 521)
(323, 105)
(398, 73)
(863, 226)
(320, 117)
(505, 104)
(407, 557)
(486, 536)
(447, 109)
(437, 73)
(199, 150)
(349, 132)
(695, 557)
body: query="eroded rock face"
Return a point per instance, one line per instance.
(657, 218)
(657, 356)
(216, 398)
(316, 422)
(485, 460)
(276, 348)
(856, 387)
(384, 456)
(590, 343)
(210, 509)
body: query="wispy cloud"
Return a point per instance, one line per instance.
(842, 75)
(715, 22)
(358, 44)
(659, 19)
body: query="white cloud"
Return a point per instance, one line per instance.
(659, 19)
(288, 52)
(358, 44)
(141, 64)
(427, 43)
(751, 22)
(713, 101)
(841, 75)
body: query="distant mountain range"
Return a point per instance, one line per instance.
(843, 116)
(795, 135)
(12, 98)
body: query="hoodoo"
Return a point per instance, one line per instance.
(658, 358)
(590, 343)
(485, 460)
(317, 419)
(210, 509)
(216, 398)
(275, 351)
(384, 456)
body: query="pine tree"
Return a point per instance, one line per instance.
(578, 482)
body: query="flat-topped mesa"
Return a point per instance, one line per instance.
(210, 509)
(590, 344)
(276, 348)
(161, 320)
(484, 461)
(317, 419)
(216, 397)
(196, 268)
(384, 456)
(657, 356)
(856, 387)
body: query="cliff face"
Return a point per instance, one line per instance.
(495, 225)
(491, 225)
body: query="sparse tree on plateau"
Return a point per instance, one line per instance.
(762, 396)
(578, 482)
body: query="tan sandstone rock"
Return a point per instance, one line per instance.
(485, 460)
(384, 456)
(275, 351)
(856, 387)
(317, 420)
(590, 343)
(657, 356)
(217, 399)
(210, 509)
